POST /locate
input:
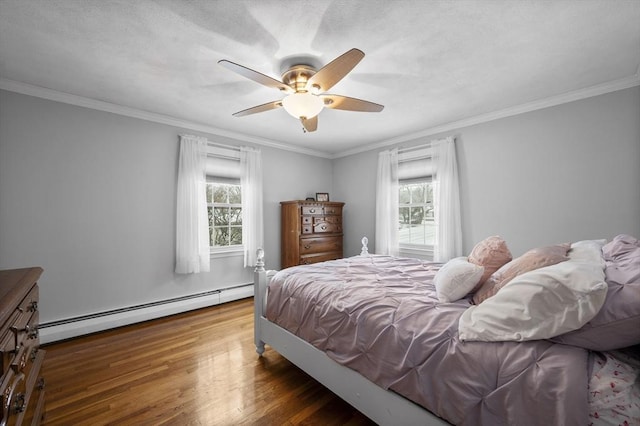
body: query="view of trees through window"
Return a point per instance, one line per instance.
(224, 207)
(417, 226)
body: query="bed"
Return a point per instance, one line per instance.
(374, 330)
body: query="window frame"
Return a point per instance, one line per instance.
(422, 251)
(229, 250)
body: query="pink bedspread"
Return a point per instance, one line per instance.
(380, 316)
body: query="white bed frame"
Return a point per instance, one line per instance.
(382, 406)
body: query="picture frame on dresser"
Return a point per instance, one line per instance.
(322, 196)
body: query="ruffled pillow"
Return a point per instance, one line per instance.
(456, 278)
(533, 259)
(490, 253)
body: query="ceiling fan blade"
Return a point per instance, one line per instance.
(310, 124)
(334, 71)
(350, 104)
(260, 108)
(256, 76)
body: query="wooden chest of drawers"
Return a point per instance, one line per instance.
(21, 386)
(311, 232)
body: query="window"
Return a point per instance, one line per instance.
(224, 209)
(416, 214)
(418, 202)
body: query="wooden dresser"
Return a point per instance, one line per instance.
(311, 232)
(22, 388)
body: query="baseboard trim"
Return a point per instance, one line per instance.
(78, 326)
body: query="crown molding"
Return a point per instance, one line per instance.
(576, 95)
(41, 92)
(67, 98)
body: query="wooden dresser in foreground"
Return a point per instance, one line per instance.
(311, 232)
(22, 386)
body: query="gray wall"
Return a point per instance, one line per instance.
(564, 173)
(90, 197)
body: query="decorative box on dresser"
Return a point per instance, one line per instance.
(22, 386)
(311, 232)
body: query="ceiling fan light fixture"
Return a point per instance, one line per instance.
(303, 104)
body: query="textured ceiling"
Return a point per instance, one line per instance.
(431, 63)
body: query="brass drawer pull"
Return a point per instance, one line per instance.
(19, 404)
(8, 406)
(33, 333)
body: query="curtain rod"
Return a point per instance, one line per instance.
(218, 144)
(402, 150)
(221, 145)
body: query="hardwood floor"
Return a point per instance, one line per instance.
(196, 368)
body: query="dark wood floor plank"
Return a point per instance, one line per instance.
(196, 368)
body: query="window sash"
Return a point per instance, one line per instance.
(409, 235)
(232, 227)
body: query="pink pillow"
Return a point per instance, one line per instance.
(533, 259)
(490, 253)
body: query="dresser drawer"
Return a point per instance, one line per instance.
(315, 258)
(321, 210)
(320, 245)
(322, 227)
(25, 330)
(327, 228)
(34, 412)
(30, 302)
(8, 344)
(13, 397)
(333, 210)
(328, 219)
(310, 210)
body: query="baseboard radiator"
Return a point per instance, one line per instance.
(78, 326)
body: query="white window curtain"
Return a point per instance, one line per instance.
(252, 218)
(192, 226)
(447, 201)
(387, 209)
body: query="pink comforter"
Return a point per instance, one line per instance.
(380, 316)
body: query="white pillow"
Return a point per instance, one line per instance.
(588, 251)
(456, 279)
(542, 303)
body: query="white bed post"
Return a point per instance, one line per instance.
(259, 290)
(365, 248)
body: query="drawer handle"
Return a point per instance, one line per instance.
(312, 210)
(33, 306)
(323, 227)
(8, 396)
(33, 334)
(19, 404)
(307, 246)
(40, 384)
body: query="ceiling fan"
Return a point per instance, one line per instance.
(306, 87)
